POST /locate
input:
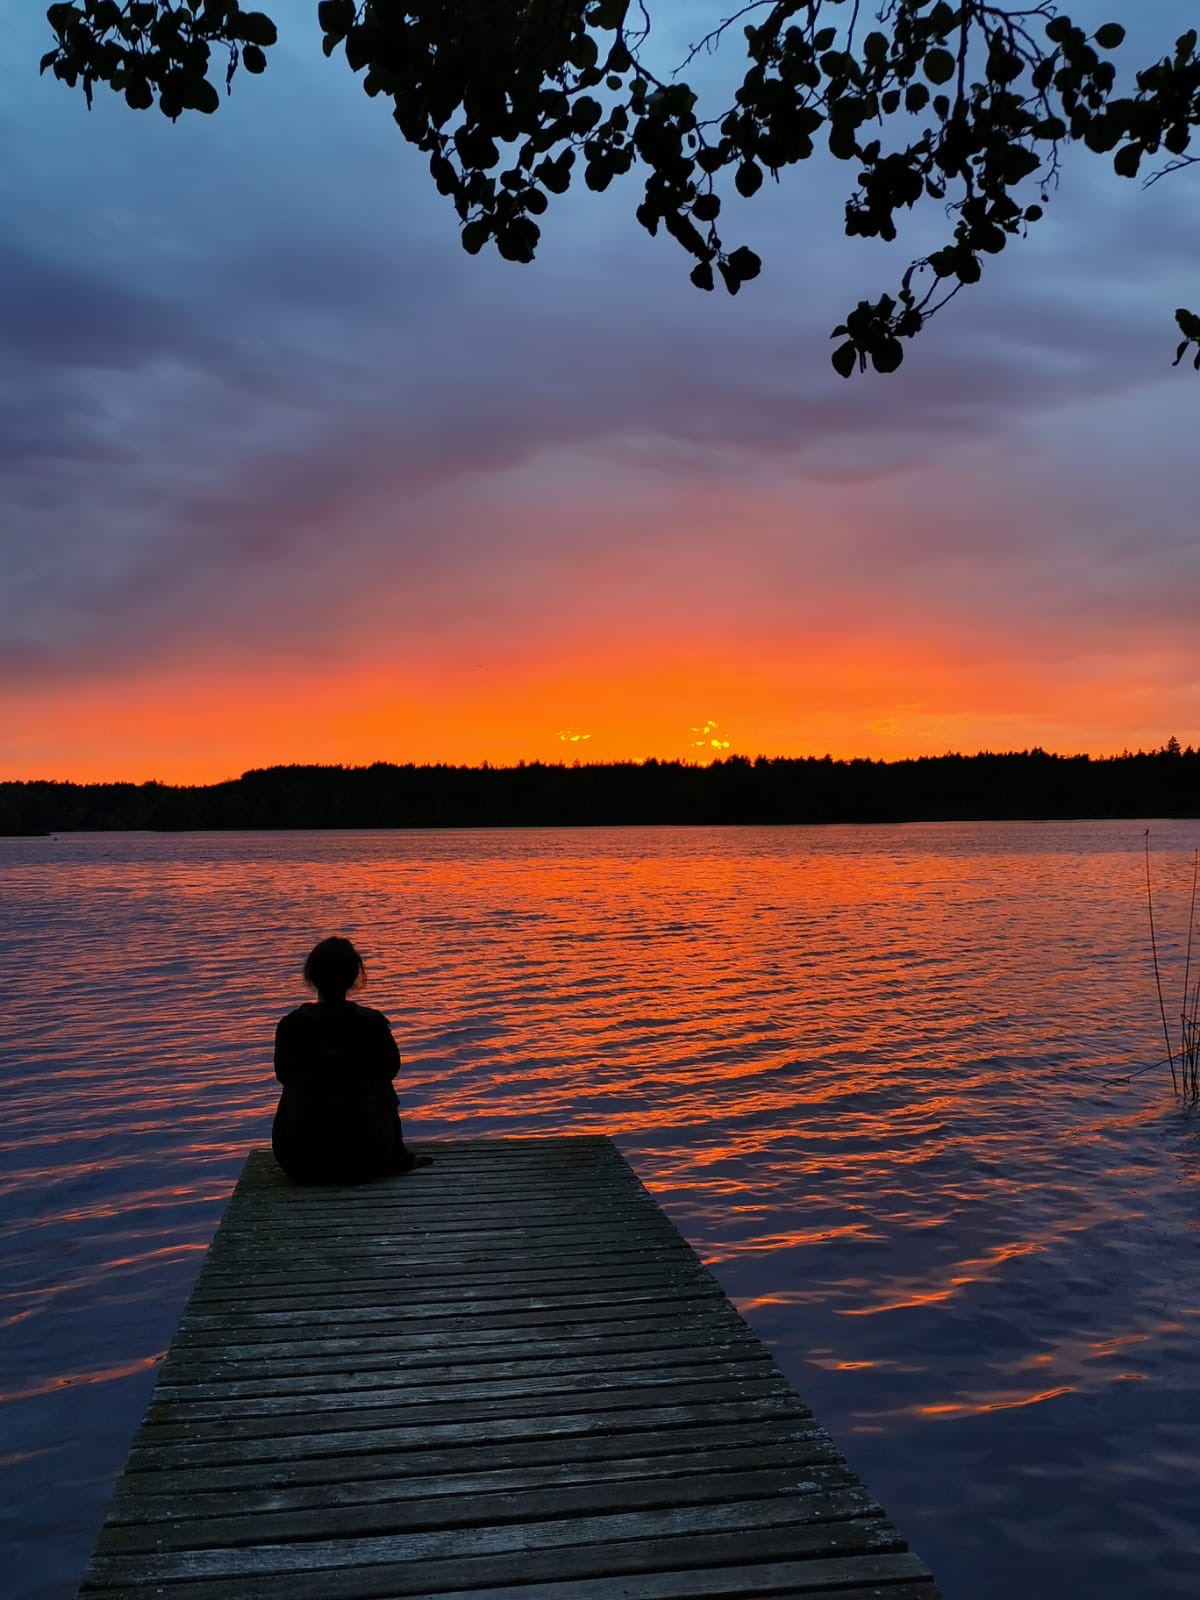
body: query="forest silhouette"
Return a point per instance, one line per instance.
(1029, 784)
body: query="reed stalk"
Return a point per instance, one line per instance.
(1162, 1010)
(1189, 1017)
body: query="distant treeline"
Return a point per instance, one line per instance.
(1025, 784)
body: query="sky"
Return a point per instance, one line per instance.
(285, 476)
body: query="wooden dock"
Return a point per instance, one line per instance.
(504, 1377)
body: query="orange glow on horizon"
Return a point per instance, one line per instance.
(832, 696)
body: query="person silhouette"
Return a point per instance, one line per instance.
(338, 1119)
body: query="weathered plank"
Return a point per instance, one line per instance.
(506, 1375)
(771, 1580)
(606, 1362)
(507, 1453)
(220, 1402)
(856, 1553)
(311, 1364)
(149, 1455)
(814, 1462)
(834, 1502)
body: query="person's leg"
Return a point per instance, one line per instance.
(404, 1159)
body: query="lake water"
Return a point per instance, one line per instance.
(868, 1071)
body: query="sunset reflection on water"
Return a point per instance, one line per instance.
(868, 1071)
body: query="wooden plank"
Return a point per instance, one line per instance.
(776, 1580)
(307, 1367)
(503, 1375)
(411, 1292)
(812, 1464)
(218, 1403)
(415, 1434)
(555, 1450)
(169, 1423)
(829, 1502)
(716, 1320)
(608, 1360)
(510, 1318)
(418, 1552)
(348, 1270)
(841, 1556)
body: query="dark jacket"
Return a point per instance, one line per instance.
(337, 1120)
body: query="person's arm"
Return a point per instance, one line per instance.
(389, 1050)
(285, 1049)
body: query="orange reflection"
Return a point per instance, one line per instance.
(73, 1380)
(979, 1269)
(1009, 1403)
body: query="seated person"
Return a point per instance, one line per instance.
(338, 1118)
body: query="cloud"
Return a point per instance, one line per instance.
(256, 405)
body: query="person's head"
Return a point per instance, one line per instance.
(333, 968)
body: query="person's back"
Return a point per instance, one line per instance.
(338, 1119)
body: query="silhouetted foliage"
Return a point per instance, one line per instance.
(1028, 784)
(964, 106)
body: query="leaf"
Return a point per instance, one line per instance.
(748, 178)
(442, 172)
(582, 52)
(517, 240)
(556, 175)
(745, 263)
(842, 142)
(474, 236)
(336, 18)
(702, 275)
(1110, 37)
(706, 208)
(205, 97)
(1127, 161)
(875, 48)
(887, 355)
(585, 113)
(845, 359)
(255, 27)
(939, 66)
(253, 59)
(358, 48)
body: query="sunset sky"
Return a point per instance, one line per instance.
(286, 476)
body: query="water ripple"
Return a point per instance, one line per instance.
(868, 1071)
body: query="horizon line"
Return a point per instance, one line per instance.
(1170, 747)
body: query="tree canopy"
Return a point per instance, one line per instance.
(964, 107)
(784, 790)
